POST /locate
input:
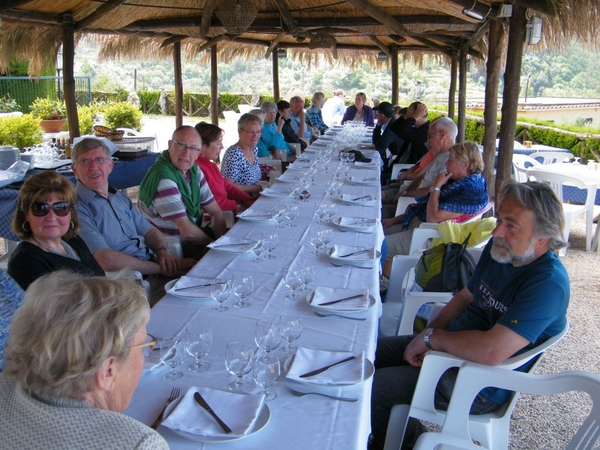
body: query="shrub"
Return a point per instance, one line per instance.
(48, 109)
(20, 132)
(8, 104)
(88, 116)
(123, 115)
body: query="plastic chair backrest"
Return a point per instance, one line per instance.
(473, 377)
(396, 168)
(551, 157)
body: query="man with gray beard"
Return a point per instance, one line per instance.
(516, 299)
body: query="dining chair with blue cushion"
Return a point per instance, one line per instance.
(11, 296)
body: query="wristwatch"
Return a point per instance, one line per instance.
(434, 188)
(426, 336)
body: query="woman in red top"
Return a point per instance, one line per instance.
(227, 195)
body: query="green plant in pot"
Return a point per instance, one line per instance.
(51, 113)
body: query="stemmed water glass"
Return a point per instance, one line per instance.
(266, 373)
(316, 240)
(258, 250)
(292, 212)
(239, 357)
(267, 337)
(322, 210)
(171, 354)
(242, 288)
(198, 343)
(327, 237)
(220, 291)
(280, 217)
(270, 242)
(290, 329)
(293, 280)
(307, 275)
(351, 157)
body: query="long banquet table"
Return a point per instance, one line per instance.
(295, 423)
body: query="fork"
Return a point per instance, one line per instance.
(172, 397)
(339, 315)
(302, 394)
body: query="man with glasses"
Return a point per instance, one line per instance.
(114, 230)
(174, 195)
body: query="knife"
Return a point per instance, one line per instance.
(323, 369)
(354, 253)
(333, 302)
(193, 287)
(360, 198)
(207, 408)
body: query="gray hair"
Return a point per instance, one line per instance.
(248, 118)
(87, 145)
(268, 106)
(470, 153)
(546, 207)
(316, 98)
(67, 326)
(445, 124)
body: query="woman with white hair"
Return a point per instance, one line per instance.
(73, 360)
(313, 112)
(272, 142)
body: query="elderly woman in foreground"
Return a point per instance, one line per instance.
(240, 163)
(455, 195)
(73, 360)
(47, 223)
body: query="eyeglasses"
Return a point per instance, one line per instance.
(430, 135)
(88, 162)
(61, 209)
(253, 133)
(147, 347)
(183, 146)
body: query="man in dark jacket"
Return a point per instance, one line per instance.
(414, 130)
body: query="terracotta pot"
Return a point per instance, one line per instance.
(52, 126)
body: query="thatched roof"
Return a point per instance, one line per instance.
(349, 31)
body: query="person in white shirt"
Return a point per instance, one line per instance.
(334, 108)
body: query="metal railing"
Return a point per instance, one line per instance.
(25, 89)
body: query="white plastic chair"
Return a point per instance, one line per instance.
(556, 181)
(491, 430)
(396, 168)
(473, 377)
(231, 117)
(520, 165)
(552, 157)
(403, 203)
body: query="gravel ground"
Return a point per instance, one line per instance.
(540, 422)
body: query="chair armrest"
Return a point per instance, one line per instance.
(229, 218)
(412, 302)
(174, 245)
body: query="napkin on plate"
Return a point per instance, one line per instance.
(359, 222)
(325, 294)
(256, 214)
(238, 411)
(276, 192)
(184, 282)
(308, 359)
(358, 199)
(232, 245)
(366, 164)
(369, 180)
(338, 252)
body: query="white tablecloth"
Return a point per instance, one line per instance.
(296, 423)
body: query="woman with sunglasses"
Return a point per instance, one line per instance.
(240, 162)
(47, 223)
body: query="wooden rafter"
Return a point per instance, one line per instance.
(286, 15)
(9, 4)
(207, 14)
(213, 41)
(380, 15)
(273, 45)
(172, 40)
(101, 11)
(32, 18)
(380, 44)
(429, 43)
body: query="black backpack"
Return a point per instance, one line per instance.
(445, 267)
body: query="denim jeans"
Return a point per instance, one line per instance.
(394, 383)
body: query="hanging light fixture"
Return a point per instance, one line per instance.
(236, 15)
(533, 30)
(470, 12)
(281, 53)
(382, 56)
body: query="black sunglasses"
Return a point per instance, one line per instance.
(61, 209)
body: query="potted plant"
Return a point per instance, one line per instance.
(52, 114)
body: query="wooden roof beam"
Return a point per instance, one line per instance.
(214, 41)
(102, 10)
(9, 4)
(32, 18)
(273, 45)
(547, 7)
(207, 14)
(172, 40)
(142, 34)
(429, 43)
(381, 45)
(286, 15)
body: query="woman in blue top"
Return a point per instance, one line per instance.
(271, 141)
(240, 163)
(360, 112)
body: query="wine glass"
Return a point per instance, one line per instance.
(266, 373)
(267, 336)
(316, 240)
(271, 241)
(242, 288)
(280, 217)
(292, 280)
(220, 291)
(171, 354)
(351, 157)
(307, 275)
(322, 209)
(198, 343)
(290, 329)
(258, 250)
(292, 212)
(239, 357)
(327, 237)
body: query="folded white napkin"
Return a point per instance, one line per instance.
(276, 192)
(338, 252)
(359, 222)
(232, 245)
(202, 291)
(308, 359)
(256, 214)
(238, 411)
(366, 164)
(325, 294)
(289, 177)
(358, 199)
(368, 180)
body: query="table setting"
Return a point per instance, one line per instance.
(298, 411)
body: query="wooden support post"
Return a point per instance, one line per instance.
(452, 93)
(462, 93)
(214, 86)
(510, 96)
(178, 84)
(394, 63)
(68, 31)
(276, 94)
(497, 35)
